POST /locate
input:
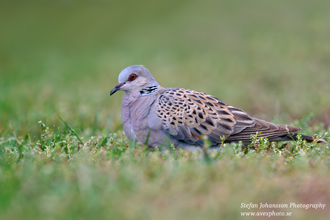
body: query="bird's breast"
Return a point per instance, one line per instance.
(135, 117)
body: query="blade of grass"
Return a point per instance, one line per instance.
(147, 139)
(95, 123)
(71, 129)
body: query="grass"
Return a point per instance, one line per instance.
(63, 154)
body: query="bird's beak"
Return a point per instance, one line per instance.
(118, 86)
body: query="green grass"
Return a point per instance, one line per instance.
(61, 59)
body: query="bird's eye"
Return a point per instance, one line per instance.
(132, 77)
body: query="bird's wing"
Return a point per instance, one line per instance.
(187, 115)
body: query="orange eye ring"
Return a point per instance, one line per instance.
(132, 77)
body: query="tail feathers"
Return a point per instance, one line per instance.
(273, 132)
(309, 139)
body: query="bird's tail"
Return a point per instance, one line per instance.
(309, 139)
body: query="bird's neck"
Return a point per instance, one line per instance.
(150, 89)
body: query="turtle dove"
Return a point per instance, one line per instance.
(156, 115)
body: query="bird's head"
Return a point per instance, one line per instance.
(134, 78)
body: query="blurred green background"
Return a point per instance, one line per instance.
(270, 58)
(62, 58)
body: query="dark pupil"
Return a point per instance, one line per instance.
(133, 77)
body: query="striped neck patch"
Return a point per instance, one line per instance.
(149, 90)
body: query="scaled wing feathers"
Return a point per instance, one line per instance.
(186, 115)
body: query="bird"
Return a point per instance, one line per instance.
(156, 116)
